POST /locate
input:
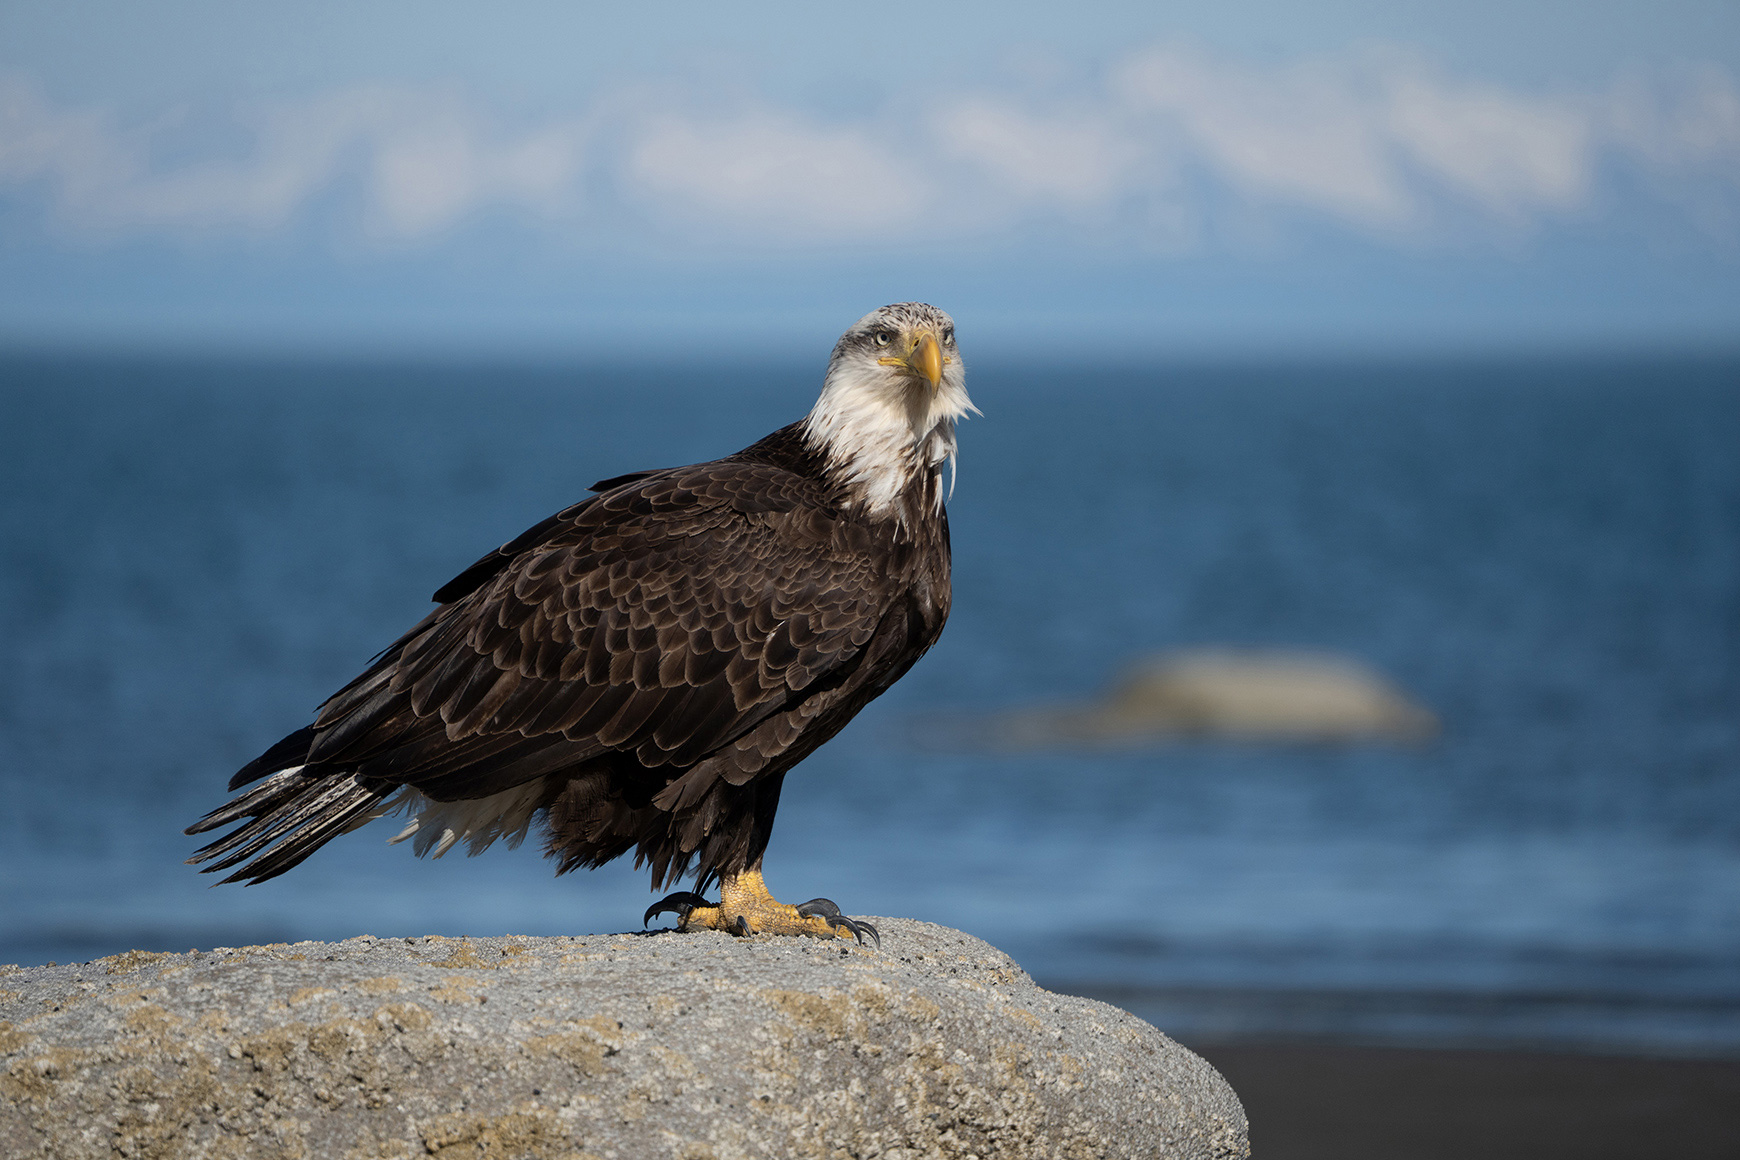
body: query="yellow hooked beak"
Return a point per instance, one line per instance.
(926, 360)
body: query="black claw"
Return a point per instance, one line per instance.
(679, 903)
(859, 929)
(826, 908)
(741, 926)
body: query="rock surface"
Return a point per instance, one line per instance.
(688, 1046)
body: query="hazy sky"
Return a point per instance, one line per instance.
(561, 178)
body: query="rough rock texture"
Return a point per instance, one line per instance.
(665, 1045)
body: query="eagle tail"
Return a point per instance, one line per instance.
(293, 750)
(294, 813)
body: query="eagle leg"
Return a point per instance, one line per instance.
(746, 907)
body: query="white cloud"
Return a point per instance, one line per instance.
(425, 162)
(1506, 151)
(1302, 135)
(1692, 124)
(1373, 138)
(1072, 158)
(764, 169)
(1379, 139)
(433, 168)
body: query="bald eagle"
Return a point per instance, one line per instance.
(640, 670)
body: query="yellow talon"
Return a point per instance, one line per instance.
(747, 907)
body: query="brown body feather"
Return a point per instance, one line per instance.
(651, 661)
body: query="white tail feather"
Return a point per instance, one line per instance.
(478, 822)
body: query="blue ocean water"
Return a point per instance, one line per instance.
(1546, 554)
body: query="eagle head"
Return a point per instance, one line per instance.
(894, 390)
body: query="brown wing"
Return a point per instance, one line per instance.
(666, 617)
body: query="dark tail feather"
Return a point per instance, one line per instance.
(294, 814)
(257, 802)
(293, 750)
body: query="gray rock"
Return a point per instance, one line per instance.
(664, 1045)
(1251, 696)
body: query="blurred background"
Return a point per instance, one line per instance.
(1346, 646)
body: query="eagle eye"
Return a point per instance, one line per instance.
(949, 336)
(884, 337)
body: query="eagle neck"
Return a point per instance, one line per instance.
(882, 449)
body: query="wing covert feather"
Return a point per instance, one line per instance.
(667, 616)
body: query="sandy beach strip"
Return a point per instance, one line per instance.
(1310, 1102)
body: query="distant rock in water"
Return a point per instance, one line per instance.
(1235, 695)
